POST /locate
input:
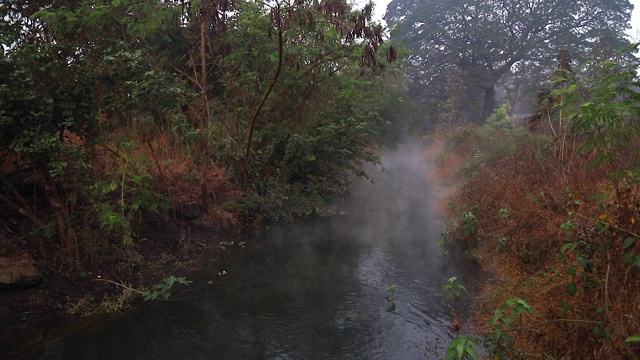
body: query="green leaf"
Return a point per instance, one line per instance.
(633, 338)
(507, 322)
(508, 339)
(520, 304)
(564, 307)
(498, 333)
(497, 314)
(628, 242)
(462, 348)
(572, 289)
(632, 259)
(586, 264)
(566, 247)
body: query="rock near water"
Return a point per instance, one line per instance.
(18, 271)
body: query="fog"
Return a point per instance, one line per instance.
(317, 289)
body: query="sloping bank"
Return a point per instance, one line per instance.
(559, 245)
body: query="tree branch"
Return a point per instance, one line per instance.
(120, 285)
(254, 119)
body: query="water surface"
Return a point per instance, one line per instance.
(312, 290)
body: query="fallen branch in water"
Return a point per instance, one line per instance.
(121, 285)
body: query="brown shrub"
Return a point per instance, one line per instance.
(175, 170)
(527, 204)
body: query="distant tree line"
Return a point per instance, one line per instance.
(479, 51)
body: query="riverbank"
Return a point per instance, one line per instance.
(534, 222)
(317, 288)
(108, 123)
(140, 210)
(68, 294)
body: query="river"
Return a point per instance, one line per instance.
(317, 289)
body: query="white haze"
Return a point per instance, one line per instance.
(380, 9)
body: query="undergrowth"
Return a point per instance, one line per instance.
(553, 213)
(552, 232)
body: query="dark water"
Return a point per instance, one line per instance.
(314, 290)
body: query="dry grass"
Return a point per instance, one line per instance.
(126, 167)
(176, 171)
(522, 250)
(447, 164)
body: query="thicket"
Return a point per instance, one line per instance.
(116, 111)
(553, 213)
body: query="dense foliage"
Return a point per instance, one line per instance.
(554, 214)
(110, 108)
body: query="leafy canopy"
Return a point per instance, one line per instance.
(489, 39)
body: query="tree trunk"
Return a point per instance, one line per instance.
(65, 229)
(204, 119)
(254, 119)
(489, 102)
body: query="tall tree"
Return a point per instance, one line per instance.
(299, 95)
(488, 39)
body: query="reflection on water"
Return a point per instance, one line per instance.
(313, 290)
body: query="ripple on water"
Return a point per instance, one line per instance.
(315, 291)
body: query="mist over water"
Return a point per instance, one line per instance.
(312, 290)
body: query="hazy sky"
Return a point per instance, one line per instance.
(635, 21)
(381, 8)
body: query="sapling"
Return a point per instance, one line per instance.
(390, 298)
(454, 288)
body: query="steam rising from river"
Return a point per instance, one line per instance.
(394, 210)
(312, 290)
(398, 205)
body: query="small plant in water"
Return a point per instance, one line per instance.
(454, 288)
(442, 244)
(445, 235)
(162, 290)
(390, 298)
(462, 348)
